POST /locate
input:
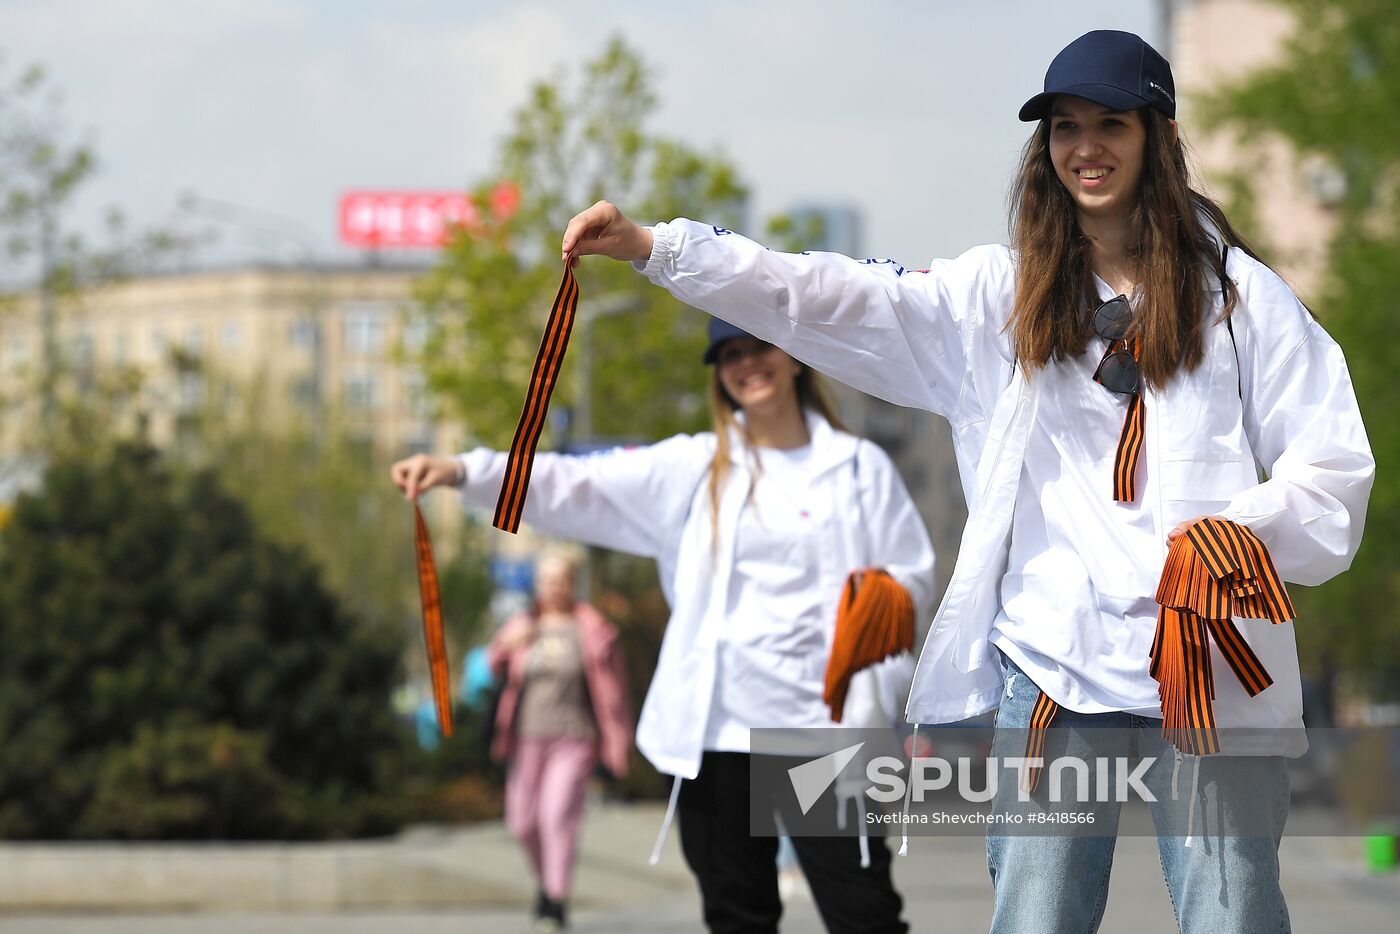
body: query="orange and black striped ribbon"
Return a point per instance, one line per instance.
(1042, 715)
(874, 621)
(1129, 451)
(550, 358)
(1216, 571)
(433, 634)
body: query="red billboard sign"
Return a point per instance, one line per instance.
(417, 219)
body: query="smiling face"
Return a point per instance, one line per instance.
(758, 376)
(1097, 154)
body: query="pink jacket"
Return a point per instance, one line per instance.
(603, 670)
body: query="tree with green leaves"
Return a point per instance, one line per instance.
(40, 169)
(170, 673)
(634, 345)
(1334, 95)
(43, 165)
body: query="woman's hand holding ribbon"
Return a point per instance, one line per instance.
(603, 230)
(418, 474)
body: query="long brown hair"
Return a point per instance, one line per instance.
(1178, 259)
(811, 394)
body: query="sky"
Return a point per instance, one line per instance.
(905, 110)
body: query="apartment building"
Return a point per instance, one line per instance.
(276, 344)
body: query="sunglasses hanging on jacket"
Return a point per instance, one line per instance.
(1118, 372)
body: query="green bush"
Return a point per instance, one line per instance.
(169, 673)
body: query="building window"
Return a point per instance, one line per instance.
(415, 333)
(364, 328)
(304, 391)
(303, 334)
(158, 343)
(415, 394)
(231, 335)
(81, 350)
(359, 391)
(122, 348)
(16, 352)
(193, 343)
(191, 391)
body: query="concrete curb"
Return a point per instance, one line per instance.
(431, 867)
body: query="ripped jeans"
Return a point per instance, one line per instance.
(1220, 881)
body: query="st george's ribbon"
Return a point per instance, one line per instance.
(1216, 571)
(874, 621)
(433, 635)
(1128, 451)
(511, 504)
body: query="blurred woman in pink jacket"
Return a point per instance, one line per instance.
(563, 709)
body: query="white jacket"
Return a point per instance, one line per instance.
(1277, 395)
(653, 501)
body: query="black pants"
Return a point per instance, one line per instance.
(738, 873)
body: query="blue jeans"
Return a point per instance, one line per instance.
(1223, 881)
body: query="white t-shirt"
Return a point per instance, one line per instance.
(771, 658)
(1078, 610)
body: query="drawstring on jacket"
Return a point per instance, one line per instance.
(861, 830)
(908, 790)
(1191, 805)
(864, 834)
(1191, 801)
(666, 823)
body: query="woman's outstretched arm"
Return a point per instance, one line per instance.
(627, 499)
(915, 337)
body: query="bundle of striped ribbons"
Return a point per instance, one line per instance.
(874, 621)
(1216, 571)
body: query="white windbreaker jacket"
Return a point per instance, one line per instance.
(653, 501)
(1276, 395)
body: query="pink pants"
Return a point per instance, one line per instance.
(544, 804)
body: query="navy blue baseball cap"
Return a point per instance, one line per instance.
(721, 331)
(1116, 69)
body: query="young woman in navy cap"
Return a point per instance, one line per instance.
(754, 527)
(1122, 370)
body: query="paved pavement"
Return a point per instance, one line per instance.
(944, 882)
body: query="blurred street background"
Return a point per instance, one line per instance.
(254, 251)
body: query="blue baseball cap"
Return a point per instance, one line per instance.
(1116, 69)
(721, 331)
